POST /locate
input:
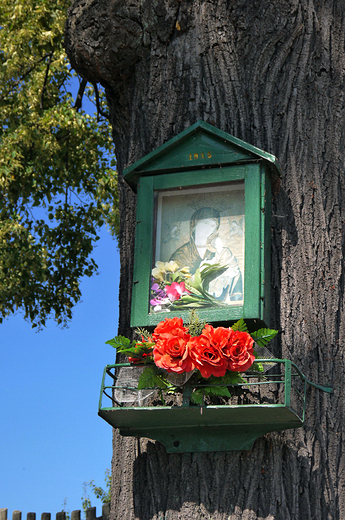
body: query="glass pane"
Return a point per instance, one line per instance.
(199, 248)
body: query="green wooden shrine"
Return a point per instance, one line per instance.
(203, 233)
(205, 175)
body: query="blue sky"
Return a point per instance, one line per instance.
(52, 439)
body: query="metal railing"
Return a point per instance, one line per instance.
(290, 385)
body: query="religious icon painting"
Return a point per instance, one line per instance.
(199, 238)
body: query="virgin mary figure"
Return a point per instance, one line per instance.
(206, 247)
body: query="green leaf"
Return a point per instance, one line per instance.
(192, 304)
(135, 349)
(263, 336)
(193, 290)
(257, 367)
(211, 270)
(111, 342)
(143, 333)
(231, 378)
(217, 391)
(197, 397)
(194, 324)
(188, 299)
(197, 280)
(118, 342)
(240, 326)
(221, 391)
(150, 378)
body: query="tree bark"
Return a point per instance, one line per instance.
(272, 74)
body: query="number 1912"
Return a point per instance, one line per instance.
(199, 156)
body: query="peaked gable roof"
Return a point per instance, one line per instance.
(200, 145)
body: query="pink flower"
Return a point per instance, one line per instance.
(176, 290)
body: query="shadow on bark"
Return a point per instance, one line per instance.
(210, 485)
(282, 223)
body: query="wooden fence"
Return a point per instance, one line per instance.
(75, 515)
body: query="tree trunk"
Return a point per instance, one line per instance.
(270, 73)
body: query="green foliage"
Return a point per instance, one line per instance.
(263, 336)
(65, 510)
(216, 386)
(194, 324)
(103, 494)
(57, 185)
(230, 378)
(143, 333)
(136, 349)
(85, 499)
(120, 342)
(199, 297)
(152, 377)
(241, 326)
(198, 395)
(257, 367)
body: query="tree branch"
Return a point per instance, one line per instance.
(78, 101)
(23, 76)
(99, 110)
(46, 79)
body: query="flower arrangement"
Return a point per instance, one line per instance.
(174, 287)
(211, 358)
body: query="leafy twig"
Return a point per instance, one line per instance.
(263, 336)
(16, 83)
(46, 79)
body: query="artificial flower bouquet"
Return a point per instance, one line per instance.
(174, 287)
(211, 359)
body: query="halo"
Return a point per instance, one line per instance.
(212, 201)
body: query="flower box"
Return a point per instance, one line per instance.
(263, 404)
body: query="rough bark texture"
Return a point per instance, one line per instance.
(271, 73)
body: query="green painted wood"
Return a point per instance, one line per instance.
(173, 165)
(143, 264)
(266, 210)
(142, 253)
(199, 177)
(257, 244)
(252, 304)
(287, 397)
(191, 428)
(199, 145)
(154, 417)
(212, 428)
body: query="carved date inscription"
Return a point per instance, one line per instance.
(202, 155)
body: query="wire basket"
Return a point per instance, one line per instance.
(275, 400)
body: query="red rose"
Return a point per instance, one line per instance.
(241, 353)
(170, 326)
(172, 351)
(208, 356)
(220, 338)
